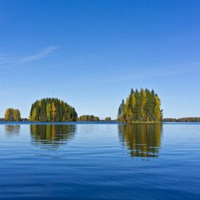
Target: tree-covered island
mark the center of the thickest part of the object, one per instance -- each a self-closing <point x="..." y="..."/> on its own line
<point x="12" y="115"/>
<point x="88" y="118"/>
<point x="140" y="106"/>
<point x="52" y="110"/>
<point x="108" y="119"/>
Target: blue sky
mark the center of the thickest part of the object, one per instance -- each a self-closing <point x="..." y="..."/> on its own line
<point x="91" y="53"/>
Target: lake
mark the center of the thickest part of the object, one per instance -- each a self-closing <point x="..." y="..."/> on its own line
<point x="100" y="161"/>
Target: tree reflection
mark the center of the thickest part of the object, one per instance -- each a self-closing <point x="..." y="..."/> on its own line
<point x="12" y="129"/>
<point x="142" y="140"/>
<point x="51" y="135"/>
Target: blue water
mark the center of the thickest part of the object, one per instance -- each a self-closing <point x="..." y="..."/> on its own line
<point x="100" y="161"/>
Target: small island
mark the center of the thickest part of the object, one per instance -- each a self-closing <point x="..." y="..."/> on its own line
<point x="12" y="115"/>
<point x="108" y="119"/>
<point x="141" y="106"/>
<point x="52" y="110"/>
<point x="88" y="118"/>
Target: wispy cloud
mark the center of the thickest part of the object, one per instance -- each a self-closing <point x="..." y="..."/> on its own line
<point x="11" y="61"/>
<point x="42" y="54"/>
<point x="153" y="73"/>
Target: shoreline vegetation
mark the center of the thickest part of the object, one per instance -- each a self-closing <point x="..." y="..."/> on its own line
<point x="91" y="118"/>
<point x="141" y="107"/>
<point x="165" y="120"/>
<point x="183" y="119"/>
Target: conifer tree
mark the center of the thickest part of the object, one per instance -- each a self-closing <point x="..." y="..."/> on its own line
<point x="52" y="110"/>
<point x="141" y="106"/>
<point x="121" y="111"/>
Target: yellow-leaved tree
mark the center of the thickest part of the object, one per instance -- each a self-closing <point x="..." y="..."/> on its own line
<point x="12" y="114"/>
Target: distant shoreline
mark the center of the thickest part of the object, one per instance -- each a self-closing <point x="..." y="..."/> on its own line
<point x="60" y="123"/>
<point x="168" y="120"/>
<point x="183" y="119"/>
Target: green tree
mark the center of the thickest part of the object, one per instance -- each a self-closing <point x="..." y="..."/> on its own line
<point x="48" y="111"/>
<point x="108" y="119"/>
<point x="121" y="111"/>
<point x="52" y="110"/>
<point x="88" y="118"/>
<point x="140" y="106"/>
<point x="12" y="114"/>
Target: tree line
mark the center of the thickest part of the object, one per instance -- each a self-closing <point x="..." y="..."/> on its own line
<point x="92" y="118"/>
<point x="88" y="118"/>
<point x="49" y="110"/>
<point x="52" y="110"/>
<point x="140" y="106"/>
<point x="183" y="119"/>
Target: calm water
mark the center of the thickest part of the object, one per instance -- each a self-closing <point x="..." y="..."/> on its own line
<point x="100" y="161"/>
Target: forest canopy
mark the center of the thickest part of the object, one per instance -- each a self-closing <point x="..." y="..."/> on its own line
<point x="88" y="118"/>
<point x="108" y="119"/>
<point x="140" y="106"/>
<point x="52" y="110"/>
<point x="12" y="115"/>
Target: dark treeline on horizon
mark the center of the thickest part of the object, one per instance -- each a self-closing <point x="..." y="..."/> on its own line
<point x="140" y="106"/>
<point x="183" y="119"/>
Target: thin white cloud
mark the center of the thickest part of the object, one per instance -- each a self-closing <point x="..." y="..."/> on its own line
<point x="11" y="61"/>
<point x="42" y="54"/>
<point x="4" y="59"/>
<point x="178" y="70"/>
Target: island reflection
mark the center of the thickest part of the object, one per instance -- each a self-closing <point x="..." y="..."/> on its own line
<point x="12" y="129"/>
<point x="51" y="135"/>
<point x="142" y="140"/>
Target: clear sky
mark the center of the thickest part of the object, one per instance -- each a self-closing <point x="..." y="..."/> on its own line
<point x="91" y="53"/>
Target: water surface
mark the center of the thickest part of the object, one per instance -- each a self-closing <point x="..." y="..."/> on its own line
<point x="100" y="161"/>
